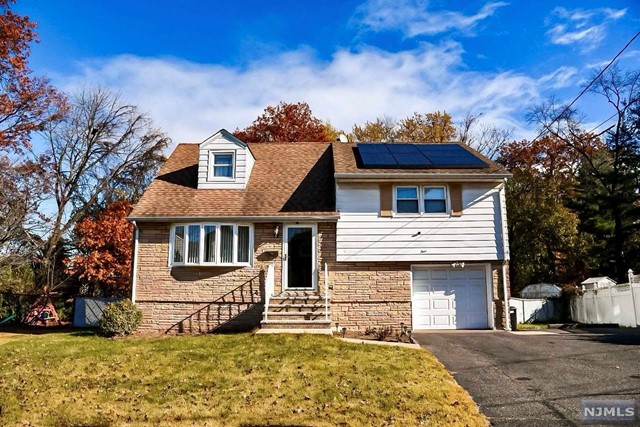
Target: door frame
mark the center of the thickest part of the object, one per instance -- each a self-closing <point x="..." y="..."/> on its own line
<point x="314" y="256"/>
<point x="488" y="284"/>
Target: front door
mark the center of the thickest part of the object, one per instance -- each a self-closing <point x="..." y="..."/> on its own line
<point x="298" y="257"/>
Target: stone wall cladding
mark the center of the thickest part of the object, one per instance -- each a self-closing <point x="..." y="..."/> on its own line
<point x="201" y="299"/>
<point x="373" y="294"/>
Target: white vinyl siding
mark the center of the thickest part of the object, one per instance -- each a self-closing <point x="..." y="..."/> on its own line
<point x="475" y="236"/>
<point x="224" y="143"/>
<point x="357" y="198"/>
<point x="210" y="244"/>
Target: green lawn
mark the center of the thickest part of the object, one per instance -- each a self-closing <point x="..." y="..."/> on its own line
<point x="64" y="379"/>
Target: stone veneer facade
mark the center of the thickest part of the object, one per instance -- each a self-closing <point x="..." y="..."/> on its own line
<point x="204" y="299"/>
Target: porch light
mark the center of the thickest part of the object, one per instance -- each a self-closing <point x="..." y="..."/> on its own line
<point x="276" y="229"/>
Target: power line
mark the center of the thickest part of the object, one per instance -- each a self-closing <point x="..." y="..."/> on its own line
<point x="603" y="122"/>
<point x="587" y="88"/>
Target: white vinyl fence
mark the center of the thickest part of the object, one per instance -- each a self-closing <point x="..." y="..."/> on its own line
<point x="87" y="311"/>
<point x="534" y="310"/>
<point x="618" y="304"/>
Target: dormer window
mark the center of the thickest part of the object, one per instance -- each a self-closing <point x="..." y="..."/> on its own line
<point x="225" y="163"/>
<point x="222" y="165"/>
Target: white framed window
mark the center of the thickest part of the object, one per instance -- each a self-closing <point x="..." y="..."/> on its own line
<point x="421" y="200"/>
<point x="434" y="199"/>
<point x="211" y="244"/>
<point x="407" y="200"/>
<point x="221" y="165"/>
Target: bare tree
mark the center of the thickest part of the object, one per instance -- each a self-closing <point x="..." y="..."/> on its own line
<point x="102" y="144"/>
<point x="485" y="138"/>
<point x="21" y="192"/>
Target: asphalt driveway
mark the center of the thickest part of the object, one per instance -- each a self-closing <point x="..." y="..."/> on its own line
<point x="540" y="379"/>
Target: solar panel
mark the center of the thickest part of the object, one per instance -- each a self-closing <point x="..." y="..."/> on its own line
<point x="450" y="156"/>
<point x="376" y="155"/>
<point x="412" y="161"/>
<point x="379" y="160"/>
<point x="402" y="148"/>
<point x="417" y="156"/>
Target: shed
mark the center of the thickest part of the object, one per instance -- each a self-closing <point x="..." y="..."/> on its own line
<point x="541" y="290"/>
<point x="597" y="283"/>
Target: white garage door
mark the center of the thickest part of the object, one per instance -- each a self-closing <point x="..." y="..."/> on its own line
<point x="450" y="298"/>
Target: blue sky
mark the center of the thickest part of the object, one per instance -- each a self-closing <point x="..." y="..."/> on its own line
<point x="197" y="66"/>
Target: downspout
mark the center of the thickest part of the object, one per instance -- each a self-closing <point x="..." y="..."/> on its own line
<point x="134" y="267"/>
<point x="507" y="318"/>
<point x="505" y="255"/>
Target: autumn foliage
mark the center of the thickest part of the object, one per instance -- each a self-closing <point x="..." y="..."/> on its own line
<point x="26" y="102"/>
<point x="286" y="123"/>
<point x="104" y="242"/>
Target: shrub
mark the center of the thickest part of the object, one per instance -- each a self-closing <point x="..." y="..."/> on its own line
<point x="383" y="332"/>
<point x="120" y="318"/>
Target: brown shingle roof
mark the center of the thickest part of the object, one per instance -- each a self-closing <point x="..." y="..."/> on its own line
<point x="345" y="162"/>
<point x="286" y="180"/>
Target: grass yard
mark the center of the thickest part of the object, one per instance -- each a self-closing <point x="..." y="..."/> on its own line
<point x="67" y="379"/>
<point x="529" y="326"/>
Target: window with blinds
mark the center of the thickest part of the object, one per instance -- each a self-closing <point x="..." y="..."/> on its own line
<point x="211" y="244"/>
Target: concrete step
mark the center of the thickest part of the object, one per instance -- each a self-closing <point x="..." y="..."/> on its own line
<point x="295" y="324"/>
<point x="295" y="331"/>
<point x="297" y="315"/>
<point x="289" y="299"/>
<point x="273" y="308"/>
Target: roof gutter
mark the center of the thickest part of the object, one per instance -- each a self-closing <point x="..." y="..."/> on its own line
<point x="449" y="177"/>
<point x="330" y="218"/>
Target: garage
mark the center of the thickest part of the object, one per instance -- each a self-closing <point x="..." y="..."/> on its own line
<point x="450" y="298"/>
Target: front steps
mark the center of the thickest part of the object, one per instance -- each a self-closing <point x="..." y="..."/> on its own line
<point x="296" y="312"/>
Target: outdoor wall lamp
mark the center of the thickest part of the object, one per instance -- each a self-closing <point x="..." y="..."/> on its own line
<point x="276" y="229"/>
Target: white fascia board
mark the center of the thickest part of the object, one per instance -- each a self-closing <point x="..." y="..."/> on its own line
<point x="318" y="218"/>
<point x="422" y="177"/>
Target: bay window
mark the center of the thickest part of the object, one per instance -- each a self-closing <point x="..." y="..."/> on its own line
<point x="211" y="244"/>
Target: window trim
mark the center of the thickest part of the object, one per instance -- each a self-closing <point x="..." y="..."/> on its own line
<point x="424" y="199"/>
<point x="218" y="256"/>
<point x="421" y="211"/>
<point x="417" y="198"/>
<point x="211" y="165"/>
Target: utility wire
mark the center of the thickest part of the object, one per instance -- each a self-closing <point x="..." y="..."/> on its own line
<point x="587" y="88"/>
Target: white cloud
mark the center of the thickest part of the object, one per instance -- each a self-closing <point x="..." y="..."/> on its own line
<point x="585" y="28"/>
<point x="413" y="18"/>
<point x="560" y="78"/>
<point x="191" y="101"/>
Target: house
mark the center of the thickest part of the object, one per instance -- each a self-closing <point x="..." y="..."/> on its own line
<point x="597" y="283"/>
<point x="316" y="236"/>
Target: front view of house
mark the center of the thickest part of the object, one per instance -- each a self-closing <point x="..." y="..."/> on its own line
<point x="314" y="236"/>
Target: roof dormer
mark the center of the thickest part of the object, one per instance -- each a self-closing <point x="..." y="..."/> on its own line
<point x="225" y="162"/>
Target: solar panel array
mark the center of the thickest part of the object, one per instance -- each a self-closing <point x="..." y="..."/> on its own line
<point x="417" y="156"/>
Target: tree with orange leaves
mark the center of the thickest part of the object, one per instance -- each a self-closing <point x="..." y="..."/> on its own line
<point x="26" y="102"/>
<point x="286" y="123"/>
<point x="104" y="243"/>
